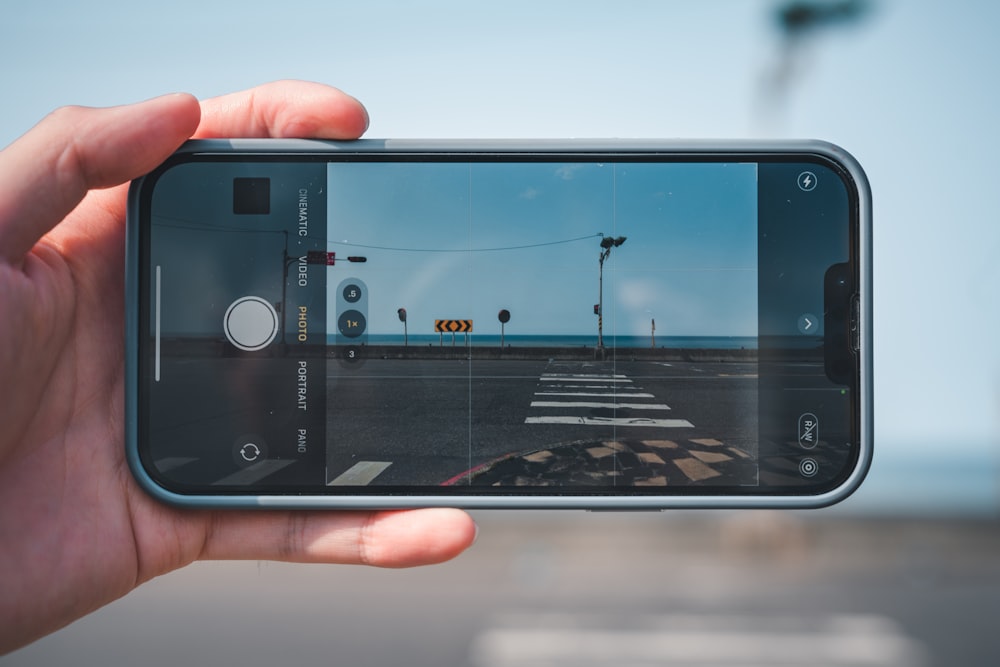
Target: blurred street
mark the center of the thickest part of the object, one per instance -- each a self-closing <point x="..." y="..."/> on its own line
<point x="573" y="588"/>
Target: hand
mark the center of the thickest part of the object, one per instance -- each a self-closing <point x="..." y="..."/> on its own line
<point x="75" y="530"/>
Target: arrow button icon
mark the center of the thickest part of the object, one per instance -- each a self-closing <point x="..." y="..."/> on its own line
<point x="808" y="324"/>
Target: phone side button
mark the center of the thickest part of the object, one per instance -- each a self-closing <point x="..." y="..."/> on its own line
<point x="855" y="323"/>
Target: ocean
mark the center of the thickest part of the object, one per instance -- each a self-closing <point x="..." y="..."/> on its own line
<point x="590" y="340"/>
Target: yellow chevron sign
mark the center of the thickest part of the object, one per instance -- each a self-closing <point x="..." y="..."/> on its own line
<point x="452" y="326"/>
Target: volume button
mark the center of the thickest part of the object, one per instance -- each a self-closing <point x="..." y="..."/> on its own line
<point x="855" y="323"/>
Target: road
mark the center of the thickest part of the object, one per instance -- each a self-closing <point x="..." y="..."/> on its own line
<point x="428" y="421"/>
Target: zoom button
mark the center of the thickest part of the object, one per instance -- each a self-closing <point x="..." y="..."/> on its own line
<point x="352" y="323"/>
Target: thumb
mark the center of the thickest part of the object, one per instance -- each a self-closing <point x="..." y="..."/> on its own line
<point x="45" y="173"/>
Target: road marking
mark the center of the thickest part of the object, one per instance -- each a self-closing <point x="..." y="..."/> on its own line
<point x="254" y="473"/>
<point x="606" y="387"/>
<point x="171" y="462"/>
<point x="584" y="393"/>
<point x="589" y="378"/>
<point x="594" y="404"/>
<point x="583" y="375"/>
<point x="610" y="421"/>
<point x="360" y="474"/>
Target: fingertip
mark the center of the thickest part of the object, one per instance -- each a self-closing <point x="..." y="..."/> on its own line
<point x="408" y="538"/>
<point x="321" y="112"/>
<point x="185" y="108"/>
<point x="178" y="114"/>
<point x="172" y="119"/>
<point x="365" y="117"/>
<point x="285" y="109"/>
<point x="307" y="109"/>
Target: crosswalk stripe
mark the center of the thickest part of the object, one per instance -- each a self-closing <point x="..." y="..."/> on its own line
<point x="606" y="387"/>
<point x="169" y="463"/>
<point x="583" y="375"/>
<point x="585" y="393"/>
<point x="254" y="473"/>
<point x="592" y="378"/>
<point x="595" y="404"/>
<point x="360" y="474"/>
<point x="610" y="421"/>
<point x="614" y="386"/>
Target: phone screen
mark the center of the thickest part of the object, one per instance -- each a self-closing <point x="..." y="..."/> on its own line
<point x="458" y="324"/>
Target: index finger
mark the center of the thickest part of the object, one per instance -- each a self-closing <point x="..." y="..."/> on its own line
<point x="284" y="109"/>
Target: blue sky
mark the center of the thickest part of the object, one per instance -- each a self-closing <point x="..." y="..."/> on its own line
<point x="910" y="92"/>
<point x="445" y="241"/>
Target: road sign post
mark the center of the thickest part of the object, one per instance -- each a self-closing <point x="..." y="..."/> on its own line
<point x="402" y="318"/>
<point x="504" y="317"/>
<point x="452" y="327"/>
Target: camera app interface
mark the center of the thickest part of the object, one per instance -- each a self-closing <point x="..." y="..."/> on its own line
<point x="466" y="327"/>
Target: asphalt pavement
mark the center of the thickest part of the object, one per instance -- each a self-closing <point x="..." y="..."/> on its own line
<point x="432" y="422"/>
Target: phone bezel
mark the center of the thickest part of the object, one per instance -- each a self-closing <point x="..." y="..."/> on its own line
<point x="799" y="150"/>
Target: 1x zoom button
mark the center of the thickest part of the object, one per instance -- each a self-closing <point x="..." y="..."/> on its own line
<point x="352" y="323"/>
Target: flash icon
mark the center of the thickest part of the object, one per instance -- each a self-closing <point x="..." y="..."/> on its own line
<point x="807" y="181"/>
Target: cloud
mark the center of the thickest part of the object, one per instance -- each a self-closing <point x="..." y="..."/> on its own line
<point x="530" y="194"/>
<point x="567" y="172"/>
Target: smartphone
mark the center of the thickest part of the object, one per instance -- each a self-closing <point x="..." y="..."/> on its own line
<point x="532" y="324"/>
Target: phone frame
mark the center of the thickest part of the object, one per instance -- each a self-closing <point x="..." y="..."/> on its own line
<point x="678" y="150"/>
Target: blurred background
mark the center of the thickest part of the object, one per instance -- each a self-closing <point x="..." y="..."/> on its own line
<point x="905" y="572"/>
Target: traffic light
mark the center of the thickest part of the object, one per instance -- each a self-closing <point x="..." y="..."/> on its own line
<point x="329" y="258"/>
<point x="320" y="257"/>
<point x="597" y="309"/>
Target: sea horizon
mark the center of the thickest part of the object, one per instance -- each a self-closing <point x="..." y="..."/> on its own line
<point x="528" y="340"/>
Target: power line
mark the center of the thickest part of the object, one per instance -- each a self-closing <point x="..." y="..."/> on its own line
<point x="500" y="248"/>
<point x="180" y="223"/>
